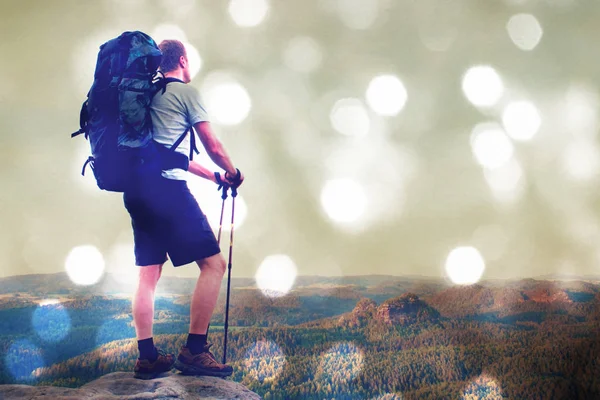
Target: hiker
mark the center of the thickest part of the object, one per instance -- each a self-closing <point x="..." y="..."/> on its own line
<point x="167" y="220"/>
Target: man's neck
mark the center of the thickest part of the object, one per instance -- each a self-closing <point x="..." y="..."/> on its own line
<point x="177" y="74"/>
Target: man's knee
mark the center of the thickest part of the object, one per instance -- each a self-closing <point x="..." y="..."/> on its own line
<point x="214" y="263"/>
<point x="150" y="274"/>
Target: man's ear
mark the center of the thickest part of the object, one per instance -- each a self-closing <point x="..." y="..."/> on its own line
<point x="182" y="61"/>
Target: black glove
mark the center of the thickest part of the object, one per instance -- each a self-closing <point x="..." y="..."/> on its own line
<point x="220" y="181"/>
<point x="235" y="180"/>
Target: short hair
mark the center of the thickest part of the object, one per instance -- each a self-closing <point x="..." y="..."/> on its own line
<point x="171" y="51"/>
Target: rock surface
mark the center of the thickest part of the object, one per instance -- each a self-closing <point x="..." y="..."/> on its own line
<point x="405" y="309"/>
<point x="122" y="385"/>
<point x="364" y="312"/>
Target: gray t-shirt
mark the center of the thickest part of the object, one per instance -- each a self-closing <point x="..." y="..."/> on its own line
<point x="173" y="112"/>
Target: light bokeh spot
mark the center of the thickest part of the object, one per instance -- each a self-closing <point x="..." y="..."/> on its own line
<point x="193" y="58"/>
<point x="343" y="200"/>
<point x="303" y="54"/>
<point x="482" y="86"/>
<point x="276" y="275"/>
<point x="580" y="110"/>
<point x="483" y="387"/>
<point x="340" y="364"/>
<point x="375" y="176"/>
<point x="226" y="99"/>
<point x="84" y="265"/>
<point x="522" y="120"/>
<point x="386" y="95"/>
<point x="22" y="359"/>
<point x="525" y="31"/>
<point x="491" y="146"/>
<point x="358" y="14"/>
<point x="581" y="160"/>
<point x="264" y="361"/>
<point x="248" y="13"/>
<point x="51" y="322"/>
<point x="465" y="265"/>
<point x="388" y="396"/>
<point x="507" y="182"/>
<point x="349" y="117"/>
<point x="168" y="32"/>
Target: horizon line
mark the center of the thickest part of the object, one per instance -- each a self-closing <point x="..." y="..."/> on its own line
<point x="428" y="277"/>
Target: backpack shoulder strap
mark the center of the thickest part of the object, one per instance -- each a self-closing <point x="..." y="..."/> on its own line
<point x="162" y="85"/>
<point x="163" y="82"/>
<point x="169" y="80"/>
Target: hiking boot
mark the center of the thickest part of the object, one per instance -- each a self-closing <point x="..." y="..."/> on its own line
<point x="145" y="369"/>
<point x="201" y="364"/>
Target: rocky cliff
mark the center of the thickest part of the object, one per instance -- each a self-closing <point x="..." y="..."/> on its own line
<point x="122" y="385"/>
<point x="405" y="309"/>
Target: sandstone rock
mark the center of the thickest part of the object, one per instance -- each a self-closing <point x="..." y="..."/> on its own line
<point x="361" y="314"/>
<point x="405" y="309"/>
<point x="122" y="385"/>
<point x="364" y="307"/>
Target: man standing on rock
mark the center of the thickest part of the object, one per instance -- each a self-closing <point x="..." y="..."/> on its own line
<point x="166" y="219"/>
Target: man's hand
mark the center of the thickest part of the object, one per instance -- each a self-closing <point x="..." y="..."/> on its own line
<point x="234" y="180"/>
<point x="220" y="180"/>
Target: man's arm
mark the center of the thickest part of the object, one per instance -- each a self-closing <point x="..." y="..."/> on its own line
<point x="201" y="171"/>
<point x="214" y="147"/>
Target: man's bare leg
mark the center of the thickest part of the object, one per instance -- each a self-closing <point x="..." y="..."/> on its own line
<point x="206" y="292"/>
<point x="143" y="300"/>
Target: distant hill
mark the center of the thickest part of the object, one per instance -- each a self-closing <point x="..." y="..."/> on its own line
<point x="524" y="300"/>
<point x="405" y="309"/>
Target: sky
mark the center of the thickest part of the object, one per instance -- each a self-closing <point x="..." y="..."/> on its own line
<point x="456" y="140"/>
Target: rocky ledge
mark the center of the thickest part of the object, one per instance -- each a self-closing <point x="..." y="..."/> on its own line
<point x="122" y="385"/>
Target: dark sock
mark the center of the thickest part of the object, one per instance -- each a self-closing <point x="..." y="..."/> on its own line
<point x="147" y="350"/>
<point x="196" y="343"/>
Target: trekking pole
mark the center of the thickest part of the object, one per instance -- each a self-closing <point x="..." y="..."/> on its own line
<point x="223" y="196"/>
<point x="233" y="196"/>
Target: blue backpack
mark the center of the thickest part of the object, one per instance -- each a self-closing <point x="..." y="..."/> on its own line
<point x="115" y="118"/>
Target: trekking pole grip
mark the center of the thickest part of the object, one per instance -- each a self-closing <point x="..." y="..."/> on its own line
<point x="222" y="185"/>
<point x="224" y="194"/>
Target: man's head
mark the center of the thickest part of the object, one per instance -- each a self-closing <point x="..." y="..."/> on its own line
<point x="174" y="58"/>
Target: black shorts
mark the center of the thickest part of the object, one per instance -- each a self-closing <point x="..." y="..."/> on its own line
<point x="167" y="219"/>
